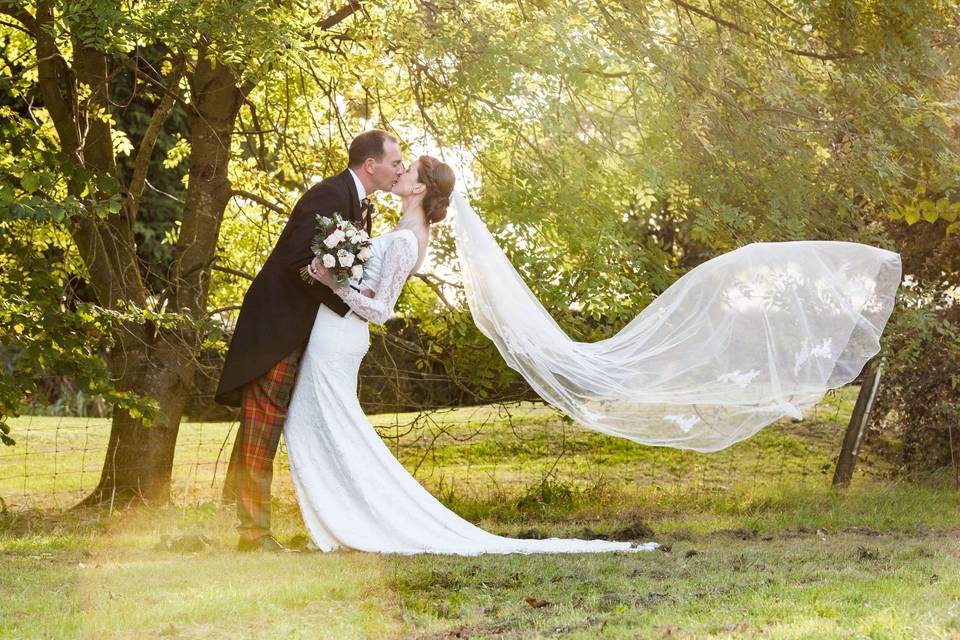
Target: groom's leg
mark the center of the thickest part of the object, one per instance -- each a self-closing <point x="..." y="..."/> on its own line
<point x="264" y="409"/>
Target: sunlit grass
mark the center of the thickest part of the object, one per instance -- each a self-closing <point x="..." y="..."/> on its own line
<point x="471" y="450"/>
<point x="760" y="544"/>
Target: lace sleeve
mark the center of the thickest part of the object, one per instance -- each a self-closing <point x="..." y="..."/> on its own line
<point x="399" y="258"/>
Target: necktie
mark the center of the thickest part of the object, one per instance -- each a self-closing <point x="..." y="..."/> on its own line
<point x="366" y="211"/>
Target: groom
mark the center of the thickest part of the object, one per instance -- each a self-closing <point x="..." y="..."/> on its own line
<point x="274" y="325"/>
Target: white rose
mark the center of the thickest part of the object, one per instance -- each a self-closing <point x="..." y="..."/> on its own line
<point x="365" y="254"/>
<point x="330" y="241"/>
<point x="329" y="261"/>
<point x="346" y="259"/>
<point x="356" y="271"/>
<point x="363" y="236"/>
<point x="334" y="239"/>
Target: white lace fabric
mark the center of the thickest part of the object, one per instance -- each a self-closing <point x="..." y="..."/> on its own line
<point x="399" y="257"/>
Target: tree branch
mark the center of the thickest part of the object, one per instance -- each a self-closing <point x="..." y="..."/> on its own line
<point x="710" y="16"/>
<point x="13" y="9"/>
<point x="261" y="201"/>
<point x="162" y="87"/>
<point x="56" y="81"/>
<point x="148" y="142"/>
<point x="116" y="230"/>
<point x="258" y="131"/>
<point x="233" y="272"/>
<point x="232" y="307"/>
<point x="164" y="193"/>
<point x="340" y="15"/>
<point x="783" y="13"/>
<point x="17" y="26"/>
<point x="840" y="55"/>
<point x="729" y="101"/>
<point x="436" y="289"/>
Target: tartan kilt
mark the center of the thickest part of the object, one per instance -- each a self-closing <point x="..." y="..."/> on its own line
<point x="262" y="414"/>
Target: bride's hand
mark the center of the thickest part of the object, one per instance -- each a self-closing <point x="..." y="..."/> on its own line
<point x="368" y="293"/>
<point x="318" y="272"/>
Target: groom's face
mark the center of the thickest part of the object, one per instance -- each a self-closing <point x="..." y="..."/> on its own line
<point x="389" y="169"/>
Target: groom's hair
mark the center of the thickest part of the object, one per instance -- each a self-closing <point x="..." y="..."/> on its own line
<point x="369" y="144"/>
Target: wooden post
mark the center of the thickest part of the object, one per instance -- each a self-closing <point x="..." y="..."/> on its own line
<point x="858" y="425"/>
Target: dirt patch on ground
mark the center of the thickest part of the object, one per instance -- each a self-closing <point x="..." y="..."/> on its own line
<point x="635" y="531"/>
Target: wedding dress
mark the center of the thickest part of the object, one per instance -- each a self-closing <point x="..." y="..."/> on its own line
<point x="352" y="491"/>
<point x="732" y="346"/>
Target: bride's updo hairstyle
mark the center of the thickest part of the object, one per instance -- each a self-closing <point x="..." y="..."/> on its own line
<point x="439" y="180"/>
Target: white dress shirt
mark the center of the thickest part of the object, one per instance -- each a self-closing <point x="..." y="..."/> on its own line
<point x="360" y="190"/>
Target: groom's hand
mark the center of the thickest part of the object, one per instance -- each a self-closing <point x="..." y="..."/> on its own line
<point x="318" y="272"/>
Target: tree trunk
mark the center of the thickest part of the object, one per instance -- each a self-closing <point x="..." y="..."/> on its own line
<point x="161" y="362"/>
<point x="857" y="428"/>
<point x="139" y="459"/>
<point x="153" y="361"/>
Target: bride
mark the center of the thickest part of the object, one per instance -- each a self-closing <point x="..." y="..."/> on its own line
<point x="352" y="492"/>
<point x="737" y="343"/>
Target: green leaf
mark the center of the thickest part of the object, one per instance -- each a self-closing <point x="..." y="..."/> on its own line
<point x="950" y="213"/>
<point x="911" y="215"/>
<point x="30" y="182"/>
<point x="108" y="184"/>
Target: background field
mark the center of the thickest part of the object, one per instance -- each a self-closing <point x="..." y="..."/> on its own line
<point x="757" y="543"/>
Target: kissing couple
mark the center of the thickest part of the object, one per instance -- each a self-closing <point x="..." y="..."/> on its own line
<point x="293" y="362"/>
<point x="738" y="342"/>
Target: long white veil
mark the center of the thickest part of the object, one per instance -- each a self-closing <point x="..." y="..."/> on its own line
<point x="740" y="341"/>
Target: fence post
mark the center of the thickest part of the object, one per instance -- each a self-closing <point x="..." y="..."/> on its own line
<point x="857" y="427"/>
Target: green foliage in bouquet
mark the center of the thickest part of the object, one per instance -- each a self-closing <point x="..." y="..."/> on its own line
<point x="341" y="247"/>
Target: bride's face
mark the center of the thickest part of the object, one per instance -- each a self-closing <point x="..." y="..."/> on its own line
<point x="408" y="186"/>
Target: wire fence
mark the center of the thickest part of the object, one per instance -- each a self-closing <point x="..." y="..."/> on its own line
<point x="57" y="460"/>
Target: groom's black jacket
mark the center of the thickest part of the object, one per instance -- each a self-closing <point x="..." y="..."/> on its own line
<point x="279" y="308"/>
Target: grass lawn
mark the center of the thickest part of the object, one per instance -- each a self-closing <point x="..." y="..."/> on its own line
<point x="756" y="542"/>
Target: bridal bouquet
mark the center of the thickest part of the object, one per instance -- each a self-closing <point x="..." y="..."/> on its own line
<point x="341" y="247"/>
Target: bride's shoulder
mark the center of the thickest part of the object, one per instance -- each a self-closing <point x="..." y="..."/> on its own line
<point x="406" y="246"/>
<point x="402" y="235"/>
